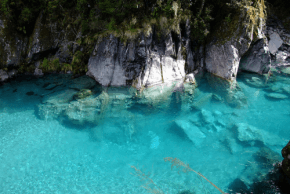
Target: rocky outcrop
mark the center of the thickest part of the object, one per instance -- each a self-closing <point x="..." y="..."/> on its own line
<point x="145" y="62"/>
<point x="12" y="46"/>
<point x="286" y="161"/>
<point x="223" y="54"/>
<point x="279" y="42"/>
<point x="50" y="38"/>
<point x="233" y="39"/>
<point x="257" y="59"/>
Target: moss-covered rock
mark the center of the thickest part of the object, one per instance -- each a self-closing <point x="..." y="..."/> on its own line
<point x="83" y="94"/>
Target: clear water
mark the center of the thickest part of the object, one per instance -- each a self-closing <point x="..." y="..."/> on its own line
<point x="54" y="156"/>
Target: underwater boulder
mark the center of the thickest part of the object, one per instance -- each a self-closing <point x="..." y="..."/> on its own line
<point x="192" y="131"/>
<point x="250" y="134"/>
<point x="276" y="96"/>
<point x="255" y="82"/>
<point x="83" y="93"/>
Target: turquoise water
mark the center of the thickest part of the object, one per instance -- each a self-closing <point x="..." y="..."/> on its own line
<point x="229" y="142"/>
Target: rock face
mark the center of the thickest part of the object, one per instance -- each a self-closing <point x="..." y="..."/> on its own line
<point x="230" y="43"/>
<point x="286" y="161"/>
<point x="49" y="38"/>
<point x="257" y="59"/>
<point x="145" y="62"/>
<point x="11" y="46"/>
<point x="279" y="42"/>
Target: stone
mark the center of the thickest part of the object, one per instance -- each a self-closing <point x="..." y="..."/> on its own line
<point x="255" y="82"/>
<point x="281" y="58"/>
<point x="257" y="59"/>
<point x="158" y="94"/>
<point x="38" y="72"/>
<point x="250" y="134"/>
<point x="3" y="75"/>
<point x="275" y="42"/>
<point x="83" y="93"/>
<point x="192" y="131"/>
<point x="276" y="96"/>
<point x="286" y="161"/>
<point x="189" y="78"/>
<point x="207" y="116"/>
<point x="228" y="45"/>
<point x="140" y="65"/>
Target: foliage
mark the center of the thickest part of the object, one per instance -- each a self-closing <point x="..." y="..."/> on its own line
<point x="45" y="65"/>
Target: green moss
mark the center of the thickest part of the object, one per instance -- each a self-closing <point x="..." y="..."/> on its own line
<point x="250" y="14"/>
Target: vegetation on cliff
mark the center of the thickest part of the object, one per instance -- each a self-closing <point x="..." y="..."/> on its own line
<point x="88" y="21"/>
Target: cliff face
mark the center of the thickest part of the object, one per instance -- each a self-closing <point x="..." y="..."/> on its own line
<point x="248" y="41"/>
<point x="143" y="62"/>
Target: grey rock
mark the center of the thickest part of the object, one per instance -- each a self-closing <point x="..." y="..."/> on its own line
<point x="38" y="72"/>
<point x="145" y="64"/>
<point x="275" y="42"/>
<point x="189" y="78"/>
<point x="3" y="75"/>
<point x="223" y="54"/>
<point x="257" y="59"/>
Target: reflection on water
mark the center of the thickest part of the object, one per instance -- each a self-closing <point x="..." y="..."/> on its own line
<point x="58" y="138"/>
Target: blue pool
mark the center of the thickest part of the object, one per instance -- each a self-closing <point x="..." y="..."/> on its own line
<point x="116" y="141"/>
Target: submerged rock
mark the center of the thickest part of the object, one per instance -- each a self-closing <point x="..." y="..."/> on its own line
<point x="256" y="82"/>
<point x="83" y="94"/>
<point x="276" y="96"/>
<point x="252" y="135"/>
<point x="192" y="131"/>
<point x="201" y="101"/>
